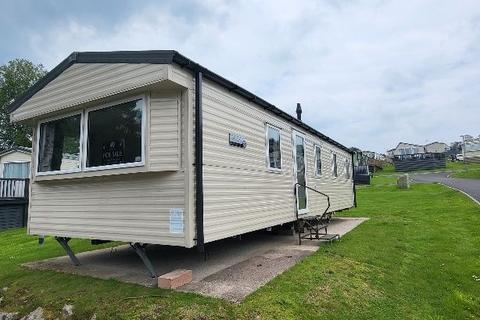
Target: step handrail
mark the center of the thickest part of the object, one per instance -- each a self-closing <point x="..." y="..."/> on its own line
<point x="314" y="190"/>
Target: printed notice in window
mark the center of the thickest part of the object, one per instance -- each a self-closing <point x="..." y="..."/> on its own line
<point x="176" y="220"/>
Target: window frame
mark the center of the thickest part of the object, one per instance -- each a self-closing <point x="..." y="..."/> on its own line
<point x="83" y="112"/>
<point x="267" y="145"/>
<point x="334" y="165"/>
<point x="37" y="144"/>
<point x="315" y="147"/>
<point x="143" y="129"/>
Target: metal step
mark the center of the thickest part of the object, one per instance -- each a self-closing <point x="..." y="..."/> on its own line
<point x="329" y="237"/>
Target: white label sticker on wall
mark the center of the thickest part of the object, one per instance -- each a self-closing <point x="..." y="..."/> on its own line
<point x="176" y="220"/>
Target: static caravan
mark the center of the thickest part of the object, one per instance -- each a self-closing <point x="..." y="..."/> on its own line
<point x="361" y="171"/>
<point x="149" y="147"/>
<point x="471" y="150"/>
<point x="14" y="173"/>
<point x="408" y="157"/>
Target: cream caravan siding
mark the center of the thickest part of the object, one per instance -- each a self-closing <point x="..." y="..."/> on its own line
<point x="127" y="207"/>
<point x="85" y="82"/>
<point x="165" y="131"/>
<point x="340" y="188"/>
<point x="240" y="193"/>
<point x="472" y="156"/>
<point x="185" y="79"/>
<point x="15" y="156"/>
<point x="111" y="208"/>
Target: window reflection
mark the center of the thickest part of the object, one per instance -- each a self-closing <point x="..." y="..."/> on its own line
<point x="59" y="145"/>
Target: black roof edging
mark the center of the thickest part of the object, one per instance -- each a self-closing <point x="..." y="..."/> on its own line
<point x="161" y="57"/>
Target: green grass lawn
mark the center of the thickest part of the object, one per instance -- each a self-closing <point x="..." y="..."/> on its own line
<point x="461" y="170"/>
<point x="457" y="170"/>
<point x="418" y="257"/>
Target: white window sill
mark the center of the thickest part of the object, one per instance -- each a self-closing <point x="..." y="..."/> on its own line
<point x="89" y="173"/>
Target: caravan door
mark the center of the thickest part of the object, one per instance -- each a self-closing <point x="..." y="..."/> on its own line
<point x="300" y="168"/>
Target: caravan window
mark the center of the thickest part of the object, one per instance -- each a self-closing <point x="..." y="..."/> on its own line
<point x="318" y="160"/>
<point x="16" y="170"/>
<point x="114" y="135"/>
<point x="274" y="154"/>
<point x="347" y="169"/>
<point x="334" y="165"/>
<point x="104" y="137"/>
<point x="59" y="145"/>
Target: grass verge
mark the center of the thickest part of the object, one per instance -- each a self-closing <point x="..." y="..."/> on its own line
<point x="457" y="170"/>
<point x="469" y="171"/>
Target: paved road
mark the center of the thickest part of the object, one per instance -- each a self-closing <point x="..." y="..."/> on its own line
<point x="469" y="186"/>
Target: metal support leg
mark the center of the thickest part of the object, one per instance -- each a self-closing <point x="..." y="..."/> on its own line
<point x="64" y="243"/>
<point x="140" y="250"/>
<point x="299" y="230"/>
<point x="205" y="254"/>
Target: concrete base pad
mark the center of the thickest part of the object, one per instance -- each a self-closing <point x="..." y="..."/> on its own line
<point x="234" y="268"/>
<point x="236" y="282"/>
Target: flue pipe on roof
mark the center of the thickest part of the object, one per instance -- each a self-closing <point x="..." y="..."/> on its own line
<point x="299" y="111"/>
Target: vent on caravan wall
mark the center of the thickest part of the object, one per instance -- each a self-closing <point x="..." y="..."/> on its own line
<point x="299" y="112"/>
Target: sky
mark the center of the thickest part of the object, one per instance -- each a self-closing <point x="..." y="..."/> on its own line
<point x="368" y="74"/>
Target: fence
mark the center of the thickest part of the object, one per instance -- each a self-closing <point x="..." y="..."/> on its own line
<point x="13" y="188"/>
<point x="424" y="161"/>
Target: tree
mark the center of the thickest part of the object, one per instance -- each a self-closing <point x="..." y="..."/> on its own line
<point x="16" y="77"/>
<point x="455" y="147"/>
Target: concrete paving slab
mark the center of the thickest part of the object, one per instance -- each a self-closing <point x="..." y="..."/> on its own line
<point x="236" y="282"/>
<point x="234" y="267"/>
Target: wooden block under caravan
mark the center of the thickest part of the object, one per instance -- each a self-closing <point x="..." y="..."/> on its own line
<point x="175" y="279"/>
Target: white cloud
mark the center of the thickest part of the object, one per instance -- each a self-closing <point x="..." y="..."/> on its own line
<point x="367" y="73"/>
